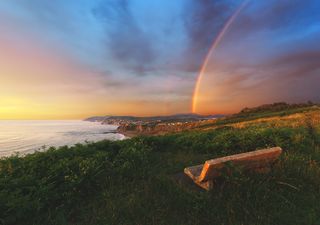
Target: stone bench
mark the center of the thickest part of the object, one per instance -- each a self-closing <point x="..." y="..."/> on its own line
<point x="257" y="161"/>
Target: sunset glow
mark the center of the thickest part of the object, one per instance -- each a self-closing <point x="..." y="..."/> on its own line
<point x="217" y="57"/>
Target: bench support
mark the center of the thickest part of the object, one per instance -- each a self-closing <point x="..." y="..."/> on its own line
<point x="258" y="161"/>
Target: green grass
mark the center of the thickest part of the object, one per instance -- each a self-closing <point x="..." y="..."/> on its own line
<point x="243" y="117"/>
<point x="130" y="182"/>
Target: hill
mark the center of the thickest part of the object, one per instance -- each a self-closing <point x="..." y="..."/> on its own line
<point x="152" y="119"/>
<point x="274" y="111"/>
<point x="131" y="181"/>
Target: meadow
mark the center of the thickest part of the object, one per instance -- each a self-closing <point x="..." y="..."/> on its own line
<point x="132" y="181"/>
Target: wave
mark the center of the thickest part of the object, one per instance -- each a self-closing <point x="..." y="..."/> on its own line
<point x="25" y="137"/>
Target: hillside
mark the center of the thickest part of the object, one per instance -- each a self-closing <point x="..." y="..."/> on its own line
<point x="133" y="126"/>
<point x="133" y="181"/>
<point x="271" y="112"/>
<point x="151" y="119"/>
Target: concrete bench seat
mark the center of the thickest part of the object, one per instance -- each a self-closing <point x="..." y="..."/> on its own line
<point x="257" y="161"/>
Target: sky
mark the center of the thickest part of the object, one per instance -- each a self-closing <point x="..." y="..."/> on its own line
<point x="77" y="58"/>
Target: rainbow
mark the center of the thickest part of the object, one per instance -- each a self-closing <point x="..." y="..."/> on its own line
<point x="214" y="45"/>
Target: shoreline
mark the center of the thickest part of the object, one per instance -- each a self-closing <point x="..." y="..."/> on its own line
<point x="27" y="137"/>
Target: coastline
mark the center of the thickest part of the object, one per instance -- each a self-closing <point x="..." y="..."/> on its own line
<point x="128" y="134"/>
<point x="25" y="137"/>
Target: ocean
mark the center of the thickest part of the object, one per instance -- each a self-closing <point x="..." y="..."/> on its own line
<point x="27" y="136"/>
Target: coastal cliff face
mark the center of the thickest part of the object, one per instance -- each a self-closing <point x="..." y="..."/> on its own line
<point x="132" y="126"/>
<point x="131" y="129"/>
<point x="279" y="113"/>
<point x="150" y="129"/>
<point x="158" y="125"/>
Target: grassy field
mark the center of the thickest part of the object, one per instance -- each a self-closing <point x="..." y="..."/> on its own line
<point x="130" y="182"/>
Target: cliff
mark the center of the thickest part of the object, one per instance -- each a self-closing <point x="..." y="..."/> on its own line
<point x="130" y="129"/>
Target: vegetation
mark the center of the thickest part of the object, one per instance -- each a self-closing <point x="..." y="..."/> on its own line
<point x="280" y="109"/>
<point x="275" y="107"/>
<point x="131" y="181"/>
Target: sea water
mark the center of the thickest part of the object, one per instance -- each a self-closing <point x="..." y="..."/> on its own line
<point x="25" y="137"/>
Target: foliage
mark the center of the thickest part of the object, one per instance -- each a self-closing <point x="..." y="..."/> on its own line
<point x="130" y="181"/>
<point x="276" y="107"/>
<point x="266" y="111"/>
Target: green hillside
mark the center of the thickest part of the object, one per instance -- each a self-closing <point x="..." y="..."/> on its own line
<point x="132" y="181"/>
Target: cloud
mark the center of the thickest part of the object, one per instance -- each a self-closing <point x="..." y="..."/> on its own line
<point x="128" y="43"/>
<point x="203" y="20"/>
<point x="144" y="51"/>
<point x="143" y="48"/>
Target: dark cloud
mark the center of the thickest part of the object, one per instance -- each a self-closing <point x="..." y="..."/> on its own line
<point x="293" y="77"/>
<point x="300" y="64"/>
<point x="298" y="58"/>
<point x="282" y="16"/>
<point x="270" y="52"/>
<point x="136" y="50"/>
<point x="128" y="43"/>
<point x="203" y="21"/>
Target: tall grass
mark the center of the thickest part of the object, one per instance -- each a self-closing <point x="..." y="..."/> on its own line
<point x="130" y="182"/>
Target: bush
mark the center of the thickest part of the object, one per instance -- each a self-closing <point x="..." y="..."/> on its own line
<point x="130" y="181"/>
